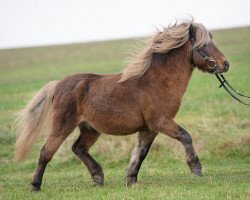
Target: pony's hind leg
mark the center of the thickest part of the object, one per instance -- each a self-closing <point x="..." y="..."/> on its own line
<point x="87" y="138"/>
<point x="145" y="139"/>
<point x="61" y="128"/>
<point x="52" y="144"/>
<point x="170" y="128"/>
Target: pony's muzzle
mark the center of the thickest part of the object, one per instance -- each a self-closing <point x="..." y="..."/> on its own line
<point x="222" y="67"/>
<point x="226" y="66"/>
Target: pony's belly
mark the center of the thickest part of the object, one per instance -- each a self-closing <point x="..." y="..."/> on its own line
<point x="115" y="126"/>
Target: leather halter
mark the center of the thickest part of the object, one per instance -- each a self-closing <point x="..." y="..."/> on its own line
<point x="211" y="64"/>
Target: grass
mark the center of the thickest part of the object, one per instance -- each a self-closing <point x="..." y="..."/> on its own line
<point x="219" y="125"/>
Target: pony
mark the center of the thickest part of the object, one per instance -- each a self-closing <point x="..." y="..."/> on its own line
<point x="143" y="99"/>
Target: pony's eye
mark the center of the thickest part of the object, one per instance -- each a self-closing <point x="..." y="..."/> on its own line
<point x="205" y="45"/>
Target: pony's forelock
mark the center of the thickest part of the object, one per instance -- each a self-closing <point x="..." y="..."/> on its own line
<point x="202" y="35"/>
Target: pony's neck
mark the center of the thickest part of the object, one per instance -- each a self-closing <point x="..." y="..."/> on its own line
<point x="174" y="69"/>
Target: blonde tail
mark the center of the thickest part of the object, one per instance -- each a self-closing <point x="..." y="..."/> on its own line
<point x="32" y="118"/>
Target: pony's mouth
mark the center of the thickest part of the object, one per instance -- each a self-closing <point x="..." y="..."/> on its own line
<point x="218" y="70"/>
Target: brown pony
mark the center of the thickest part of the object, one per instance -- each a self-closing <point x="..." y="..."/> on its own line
<point x="144" y="98"/>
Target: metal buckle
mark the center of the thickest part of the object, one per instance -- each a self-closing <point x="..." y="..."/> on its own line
<point x="211" y="64"/>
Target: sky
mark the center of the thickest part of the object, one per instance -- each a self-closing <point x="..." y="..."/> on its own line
<point x="26" y="23"/>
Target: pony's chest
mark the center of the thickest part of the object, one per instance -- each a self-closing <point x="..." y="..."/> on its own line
<point x="160" y="104"/>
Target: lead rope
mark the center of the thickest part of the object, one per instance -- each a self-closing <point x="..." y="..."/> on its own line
<point x="223" y="81"/>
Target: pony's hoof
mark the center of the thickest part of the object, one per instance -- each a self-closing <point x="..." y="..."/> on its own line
<point x="35" y="188"/>
<point x="131" y="181"/>
<point x="197" y="171"/>
<point x="98" y="180"/>
<point x="195" y="167"/>
<point x="198" y="174"/>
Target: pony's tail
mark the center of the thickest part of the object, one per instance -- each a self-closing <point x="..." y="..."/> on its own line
<point x="31" y="120"/>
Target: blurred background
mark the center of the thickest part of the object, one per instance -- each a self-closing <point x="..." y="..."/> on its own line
<point x="36" y="22"/>
<point x="45" y="40"/>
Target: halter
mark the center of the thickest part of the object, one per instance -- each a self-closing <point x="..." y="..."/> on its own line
<point x="212" y="65"/>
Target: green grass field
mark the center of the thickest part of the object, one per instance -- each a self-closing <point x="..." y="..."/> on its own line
<point x="220" y="127"/>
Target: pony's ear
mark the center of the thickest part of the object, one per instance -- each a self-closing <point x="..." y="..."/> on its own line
<point x="192" y="31"/>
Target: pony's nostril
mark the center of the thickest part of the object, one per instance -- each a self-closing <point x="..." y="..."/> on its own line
<point x="226" y="65"/>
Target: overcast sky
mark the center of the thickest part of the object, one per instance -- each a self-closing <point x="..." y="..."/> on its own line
<point x="41" y="22"/>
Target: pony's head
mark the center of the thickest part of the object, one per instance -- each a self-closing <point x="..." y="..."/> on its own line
<point x="206" y="56"/>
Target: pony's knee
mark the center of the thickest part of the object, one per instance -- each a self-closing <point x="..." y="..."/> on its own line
<point x="78" y="149"/>
<point x="73" y="147"/>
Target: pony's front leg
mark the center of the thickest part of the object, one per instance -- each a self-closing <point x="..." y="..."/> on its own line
<point x="145" y="139"/>
<point x="169" y="127"/>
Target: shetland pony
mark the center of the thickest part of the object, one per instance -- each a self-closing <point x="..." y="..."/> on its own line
<point x="144" y="98"/>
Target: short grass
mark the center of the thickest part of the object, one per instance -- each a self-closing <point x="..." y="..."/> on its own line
<point x="219" y="125"/>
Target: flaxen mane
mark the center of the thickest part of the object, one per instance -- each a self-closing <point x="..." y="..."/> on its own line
<point x="172" y="37"/>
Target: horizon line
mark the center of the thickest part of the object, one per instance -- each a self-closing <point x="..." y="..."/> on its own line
<point x="53" y="44"/>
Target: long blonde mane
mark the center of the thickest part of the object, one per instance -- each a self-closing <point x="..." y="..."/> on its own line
<point x="172" y="37"/>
